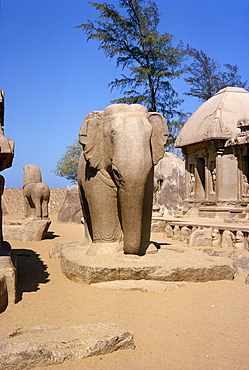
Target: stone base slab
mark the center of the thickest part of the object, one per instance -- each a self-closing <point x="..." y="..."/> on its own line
<point x="170" y="263"/>
<point x="25" y="230"/>
<point x="49" y="344"/>
<point x="8" y="276"/>
<point x="8" y="273"/>
<point x="145" y="286"/>
<point x="3" y="293"/>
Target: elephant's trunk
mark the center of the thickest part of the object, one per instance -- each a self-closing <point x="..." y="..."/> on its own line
<point x="135" y="206"/>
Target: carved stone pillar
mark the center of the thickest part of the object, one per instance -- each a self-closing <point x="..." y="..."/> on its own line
<point x="187" y="177"/>
<point x="220" y="152"/>
<point x="207" y="178"/>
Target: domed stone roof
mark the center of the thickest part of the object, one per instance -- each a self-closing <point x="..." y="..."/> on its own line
<point x="216" y="118"/>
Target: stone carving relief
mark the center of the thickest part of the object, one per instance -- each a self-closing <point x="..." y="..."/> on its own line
<point x="213" y="174"/>
<point x="185" y="233"/>
<point x="176" y="233"/>
<point x="201" y="237"/>
<point x="216" y="238"/>
<point x="239" y="240"/>
<point x="168" y="232"/>
<point x="242" y="136"/>
<point x="192" y="184"/>
<point x="228" y="239"/>
<point x="207" y="236"/>
<point x="245" y="185"/>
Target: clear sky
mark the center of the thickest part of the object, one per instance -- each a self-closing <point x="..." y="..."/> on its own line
<point x="53" y="77"/>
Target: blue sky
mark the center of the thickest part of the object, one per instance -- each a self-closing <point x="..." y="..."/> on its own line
<point x="53" y="77"/>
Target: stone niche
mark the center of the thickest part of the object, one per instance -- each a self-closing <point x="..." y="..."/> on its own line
<point x="215" y="145"/>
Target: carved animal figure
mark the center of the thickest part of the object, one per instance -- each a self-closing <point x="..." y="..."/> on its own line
<point x="228" y="239"/>
<point x="36" y="193"/>
<point x="121" y="145"/>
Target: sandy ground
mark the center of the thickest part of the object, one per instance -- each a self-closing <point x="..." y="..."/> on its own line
<point x="199" y="326"/>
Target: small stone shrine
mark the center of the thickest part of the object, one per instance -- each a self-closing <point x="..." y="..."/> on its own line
<point x="215" y="142"/>
<point x="215" y="145"/>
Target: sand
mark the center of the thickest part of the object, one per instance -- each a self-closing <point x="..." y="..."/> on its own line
<point x="198" y="326"/>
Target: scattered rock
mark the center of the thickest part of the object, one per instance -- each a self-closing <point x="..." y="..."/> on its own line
<point x="49" y="344"/>
<point x="71" y="208"/>
<point x="25" y="230"/>
<point x="55" y="251"/>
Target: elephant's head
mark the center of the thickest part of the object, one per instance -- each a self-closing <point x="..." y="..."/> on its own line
<point x="127" y="141"/>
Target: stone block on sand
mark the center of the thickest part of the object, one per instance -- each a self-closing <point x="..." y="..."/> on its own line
<point x="49" y="344"/>
<point x="169" y="264"/>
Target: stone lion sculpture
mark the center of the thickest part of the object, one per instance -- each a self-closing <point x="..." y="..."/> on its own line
<point x="36" y="193"/>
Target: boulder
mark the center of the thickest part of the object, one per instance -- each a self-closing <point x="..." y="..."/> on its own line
<point x="71" y="210"/>
<point x="25" y="230"/>
<point x="169" y="182"/>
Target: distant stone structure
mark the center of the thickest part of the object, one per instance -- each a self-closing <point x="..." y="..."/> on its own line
<point x="7" y="268"/>
<point x="215" y="144"/>
<point x="169" y="184"/>
<point x="71" y="210"/>
<point x="36" y="197"/>
<point x="36" y="193"/>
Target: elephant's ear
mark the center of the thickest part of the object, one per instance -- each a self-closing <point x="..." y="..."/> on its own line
<point x="159" y="135"/>
<point x="91" y="138"/>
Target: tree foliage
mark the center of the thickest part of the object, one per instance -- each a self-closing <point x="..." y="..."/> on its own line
<point x="206" y="78"/>
<point x="131" y="37"/>
<point x="67" y="166"/>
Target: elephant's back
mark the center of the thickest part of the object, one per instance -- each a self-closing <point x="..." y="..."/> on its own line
<point x="38" y="188"/>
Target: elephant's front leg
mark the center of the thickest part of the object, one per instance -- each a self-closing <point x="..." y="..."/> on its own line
<point x="101" y="198"/>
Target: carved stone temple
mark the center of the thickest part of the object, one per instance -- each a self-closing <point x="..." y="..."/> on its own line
<point x="215" y="145"/>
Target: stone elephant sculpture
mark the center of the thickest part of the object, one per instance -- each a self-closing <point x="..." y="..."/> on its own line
<point x="36" y="193"/>
<point x="121" y="145"/>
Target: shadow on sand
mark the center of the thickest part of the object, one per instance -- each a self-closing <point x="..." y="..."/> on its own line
<point x="31" y="271"/>
<point x="51" y="235"/>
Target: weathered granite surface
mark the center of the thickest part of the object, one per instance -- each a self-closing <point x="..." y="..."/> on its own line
<point x="25" y="230"/>
<point x="169" y="264"/>
<point x="49" y="344"/>
<point x="144" y="286"/>
<point x="169" y="183"/>
<point x="55" y="251"/>
<point x="8" y="276"/>
<point x="71" y="210"/>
